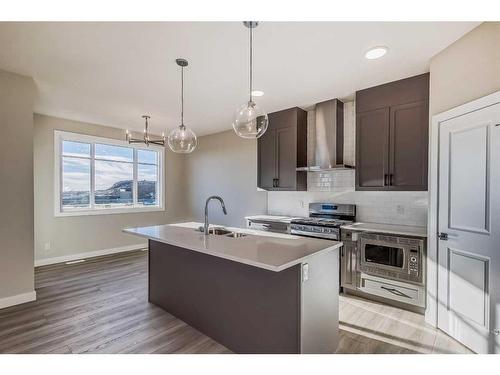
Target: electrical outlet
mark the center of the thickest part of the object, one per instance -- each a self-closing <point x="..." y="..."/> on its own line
<point x="46" y="246"/>
<point x="305" y="272"/>
<point x="400" y="209"/>
<point x="301" y="203"/>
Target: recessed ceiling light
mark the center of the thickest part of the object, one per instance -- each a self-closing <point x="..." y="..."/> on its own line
<point x="257" y="93"/>
<point x="376" y="53"/>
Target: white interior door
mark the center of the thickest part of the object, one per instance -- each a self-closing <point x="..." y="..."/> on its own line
<point x="469" y="214"/>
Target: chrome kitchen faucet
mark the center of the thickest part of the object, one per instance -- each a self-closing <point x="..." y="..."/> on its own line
<point x="205" y="227"/>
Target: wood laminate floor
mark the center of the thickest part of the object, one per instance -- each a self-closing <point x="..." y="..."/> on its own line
<point x="100" y="306"/>
<point x="371" y="327"/>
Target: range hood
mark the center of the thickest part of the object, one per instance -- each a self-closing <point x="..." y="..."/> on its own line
<point x="328" y="136"/>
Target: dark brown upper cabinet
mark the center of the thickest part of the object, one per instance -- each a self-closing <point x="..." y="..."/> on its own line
<point x="281" y="150"/>
<point x="392" y="123"/>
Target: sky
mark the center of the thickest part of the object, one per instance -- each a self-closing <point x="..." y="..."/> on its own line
<point x="117" y="167"/>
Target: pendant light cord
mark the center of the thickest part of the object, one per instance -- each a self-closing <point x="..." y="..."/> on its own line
<point x="182" y="96"/>
<point x="251" y="61"/>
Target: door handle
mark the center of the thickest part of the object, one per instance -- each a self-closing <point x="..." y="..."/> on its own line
<point x="385" y="179"/>
<point x="443" y="236"/>
<point x="390" y="179"/>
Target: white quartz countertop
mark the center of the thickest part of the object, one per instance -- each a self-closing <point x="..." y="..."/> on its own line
<point x="404" y="230"/>
<point x="271" y="251"/>
<point x="272" y="218"/>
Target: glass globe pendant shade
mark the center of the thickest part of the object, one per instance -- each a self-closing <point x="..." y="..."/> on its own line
<point x="250" y="121"/>
<point x="182" y="140"/>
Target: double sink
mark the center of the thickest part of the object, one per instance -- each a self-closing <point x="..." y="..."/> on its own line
<point x="219" y="231"/>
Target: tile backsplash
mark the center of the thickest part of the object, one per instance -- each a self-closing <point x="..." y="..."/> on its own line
<point x="337" y="181"/>
<point x="401" y="207"/>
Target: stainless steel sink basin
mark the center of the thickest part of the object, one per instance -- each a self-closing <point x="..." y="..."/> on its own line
<point x="218" y="231"/>
<point x="223" y="232"/>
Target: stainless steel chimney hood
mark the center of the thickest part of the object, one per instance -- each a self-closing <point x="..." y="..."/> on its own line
<point x="328" y="137"/>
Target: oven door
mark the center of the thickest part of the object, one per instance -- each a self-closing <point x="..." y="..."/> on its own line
<point x="383" y="258"/>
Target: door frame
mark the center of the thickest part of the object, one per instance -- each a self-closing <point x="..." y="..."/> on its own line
<point x="431" y="312"/>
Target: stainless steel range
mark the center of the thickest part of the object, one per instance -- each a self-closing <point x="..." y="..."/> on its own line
<point x="324" y="221"/>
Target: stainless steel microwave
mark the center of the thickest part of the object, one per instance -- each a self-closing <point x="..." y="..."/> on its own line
<point x="394" y="257"/>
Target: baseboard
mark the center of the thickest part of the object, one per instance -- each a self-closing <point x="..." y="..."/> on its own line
<point x="17" y="299"/>
<point x="88" y="254"/>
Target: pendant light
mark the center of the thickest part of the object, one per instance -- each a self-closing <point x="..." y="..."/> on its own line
<point x="250" y="121"/>
<point x="182" y="139"/>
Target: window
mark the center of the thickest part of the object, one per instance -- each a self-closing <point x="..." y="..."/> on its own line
<point x="98" y="175"/>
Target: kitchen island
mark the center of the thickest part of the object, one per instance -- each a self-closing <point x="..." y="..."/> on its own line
<point x="253" y="291"/>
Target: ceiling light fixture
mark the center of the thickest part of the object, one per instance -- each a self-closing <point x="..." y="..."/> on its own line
<point x="145" y="139"/>
<point x="376" y="52"/>
<point x="182" y="139"/>
<point x="249" y="120"/>
<point x="257" y="93"/>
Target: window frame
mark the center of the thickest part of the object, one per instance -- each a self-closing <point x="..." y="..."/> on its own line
<point x="60" y="136"/>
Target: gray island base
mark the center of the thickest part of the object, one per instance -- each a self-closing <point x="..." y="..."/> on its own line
<point x="247" y="306"/>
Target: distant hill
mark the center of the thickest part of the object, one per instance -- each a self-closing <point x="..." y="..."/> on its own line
<point x="119" y="192"/>
<point x="123" y="190"/>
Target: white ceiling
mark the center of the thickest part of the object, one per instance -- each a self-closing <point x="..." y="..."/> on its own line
<point x="112" y="73"/>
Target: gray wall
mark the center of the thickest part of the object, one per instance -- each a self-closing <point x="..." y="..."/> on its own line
<point x="16" y="176"/>
<point x="466" y="70"/>
<point x="78" y="234"/>
<point x="226" y="165"/>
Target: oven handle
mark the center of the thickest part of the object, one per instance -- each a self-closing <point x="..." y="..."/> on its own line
<point x="331" y="236"/>
<point x="396" y="292"/>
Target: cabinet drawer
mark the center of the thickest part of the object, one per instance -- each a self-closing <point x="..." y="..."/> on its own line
<point x="394" y="290"/>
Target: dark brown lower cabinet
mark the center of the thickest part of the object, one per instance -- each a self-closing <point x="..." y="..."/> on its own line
<point x="245" y="308"/>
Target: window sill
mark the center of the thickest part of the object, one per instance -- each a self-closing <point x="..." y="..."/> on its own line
<point x="108" y="211"/>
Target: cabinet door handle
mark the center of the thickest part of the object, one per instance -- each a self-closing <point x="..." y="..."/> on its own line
<point x="277" y="182"/>
<point x="390" y="179"/>
<point x="385" y="179"/>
